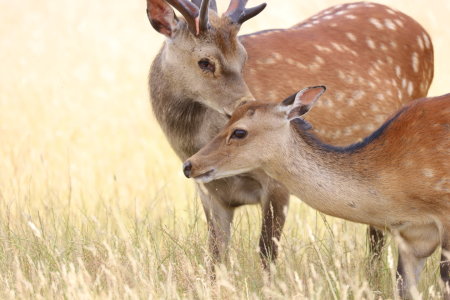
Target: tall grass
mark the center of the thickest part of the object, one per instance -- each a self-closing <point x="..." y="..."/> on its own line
<point x="92" y="200"/>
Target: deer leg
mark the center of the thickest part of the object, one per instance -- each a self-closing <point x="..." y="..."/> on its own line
<point x="415" y="244"/>
<point x="445" y="266"/>
<point x="274" y="216"/>
<point x="219" y="220"/>
<point x="408" y="271"/>
<point x="376" y="242"/>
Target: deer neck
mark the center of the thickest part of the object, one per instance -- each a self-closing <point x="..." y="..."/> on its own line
<point x="187" y="123"/>
<point x="335" y="183"/>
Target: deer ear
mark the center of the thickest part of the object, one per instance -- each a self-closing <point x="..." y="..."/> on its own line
<point x="303" y="101"/>
<point x="161" y="16"/>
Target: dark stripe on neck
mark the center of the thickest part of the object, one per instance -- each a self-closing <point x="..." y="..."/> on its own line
<point x="312" y="140"/>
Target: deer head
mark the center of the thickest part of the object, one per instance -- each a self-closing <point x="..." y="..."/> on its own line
<point x="255" y="134"/>
<point x="202" y="54"/>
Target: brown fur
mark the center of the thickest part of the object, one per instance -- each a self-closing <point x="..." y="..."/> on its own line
<point x="189" y="104"/>
<point x="397" y="178"/>
<point x="345" y="71"/>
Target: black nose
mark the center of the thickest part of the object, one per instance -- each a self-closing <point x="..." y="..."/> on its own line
<point x="187" y="166"/>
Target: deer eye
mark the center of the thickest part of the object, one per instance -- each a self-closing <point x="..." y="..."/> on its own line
<point x="238" y="134"/>
<point x="206" y="65"/>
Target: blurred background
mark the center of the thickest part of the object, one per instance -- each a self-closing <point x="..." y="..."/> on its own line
<point x="78" y="140"/>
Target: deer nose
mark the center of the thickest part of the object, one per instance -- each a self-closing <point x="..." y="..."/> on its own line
<point x="187" y="166"/>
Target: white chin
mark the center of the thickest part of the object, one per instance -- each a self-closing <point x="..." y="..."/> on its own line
<point x="204" y="179"/>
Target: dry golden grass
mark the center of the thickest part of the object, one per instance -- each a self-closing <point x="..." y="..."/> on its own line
<point x="93" y="202"/>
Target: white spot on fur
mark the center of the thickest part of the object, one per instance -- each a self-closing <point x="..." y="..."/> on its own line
<point x="323" y="49"/>
<point x="290" y="61"/>
<point x="398" y="71"/>
<point x="426" y="40"/>
<point x="398" y="22"/>
<point x="383" y="47"/>
<point x="370" y="127"/>
<point x="393" y="44"/>
<point x="376" y="23"/>
<point x="314" y="67"/>
<point x="443" y="185"/>
<point x="269" y="61"/>
<point x="370" y="43"/>
<point x="358" y="95"/>
<point x="415" y="62"/>
<point x="390" y="11"/>
<point x="351" y="36"/>
<point x="389" y="24"/>
<point x="420" y="42"/>
<point x="380" y="96"/>
<point x="300" y="65"/>
<point x="337" y="46"/>
<point x="374" y="107"/>
<point x="428" y="172"/>
<point x="410" y="88"/>
<point x="404" y="83"/>
<point x="380" y="118"/>
<point x="351" y="17"/>
<point x="319" y="60"/>
<point x="390" y="60"/>
<point x="277" y="56"/>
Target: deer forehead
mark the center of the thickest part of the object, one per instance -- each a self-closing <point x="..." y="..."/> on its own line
<point x="257" y="114"/>
<point x="223" y="35"/>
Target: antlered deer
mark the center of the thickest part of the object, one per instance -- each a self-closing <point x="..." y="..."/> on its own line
<point x="396" y="178"/>
<point x="362" y="51"/>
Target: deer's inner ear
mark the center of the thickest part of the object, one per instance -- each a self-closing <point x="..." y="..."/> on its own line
<point x="289" y="100"/>
<point x="161" y="17"/>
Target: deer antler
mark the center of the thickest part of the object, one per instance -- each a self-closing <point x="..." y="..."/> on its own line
<point x="189" y="11"/>
<point x="238" y="14"/>
<point x="212" y="4"/>
<point x="204" y="15"/>
<point x="197" y="20"/>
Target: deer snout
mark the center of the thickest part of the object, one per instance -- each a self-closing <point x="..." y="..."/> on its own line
<point x="187" y="168"/>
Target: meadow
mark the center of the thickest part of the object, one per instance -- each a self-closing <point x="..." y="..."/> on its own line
<point x="93" y="203"/>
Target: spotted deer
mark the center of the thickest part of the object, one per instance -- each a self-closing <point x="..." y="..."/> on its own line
<point x="397" y="178"/>
<point x="362" y="51"/>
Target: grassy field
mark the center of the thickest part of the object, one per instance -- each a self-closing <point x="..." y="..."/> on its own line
<point x="93" y="203"/>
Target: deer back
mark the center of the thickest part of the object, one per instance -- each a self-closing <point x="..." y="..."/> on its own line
<point x="360" y="51"/>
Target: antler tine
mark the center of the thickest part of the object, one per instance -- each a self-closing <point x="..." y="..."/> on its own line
<point x="235" y="9"/>
<point x="251" y="12"/>
<point x="212" y="4"/>
<point x="189" y="11"/>
<point x="204" y="15"/>
<point x="238" y="14"/>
